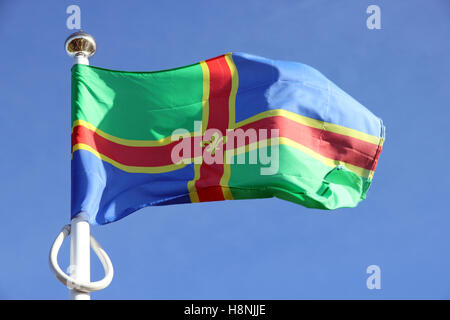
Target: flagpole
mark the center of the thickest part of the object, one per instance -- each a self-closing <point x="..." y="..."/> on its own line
<point x="80" y="46"/>
<point x="80" y="256"/>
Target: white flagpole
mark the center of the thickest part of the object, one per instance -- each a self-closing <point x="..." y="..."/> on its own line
<point x="80" y="46"/>
<point x="80" y="256"/>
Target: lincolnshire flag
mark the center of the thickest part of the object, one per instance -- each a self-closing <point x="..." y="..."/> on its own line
<point x="236" y="126"/>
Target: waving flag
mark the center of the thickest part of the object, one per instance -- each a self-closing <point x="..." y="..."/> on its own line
<point x="233" y="127"/>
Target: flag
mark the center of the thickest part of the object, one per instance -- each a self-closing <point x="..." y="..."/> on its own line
<point x="236" y="126"/>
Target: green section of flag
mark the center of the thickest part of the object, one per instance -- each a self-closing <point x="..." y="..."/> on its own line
<point x="300" y="179"/>
<point x="138" y="105"/>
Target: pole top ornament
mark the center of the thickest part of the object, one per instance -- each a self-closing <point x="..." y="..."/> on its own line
<point x="80" y="43"/>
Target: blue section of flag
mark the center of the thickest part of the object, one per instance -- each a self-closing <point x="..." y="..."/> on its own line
<point x="106" y="193"/>
<point x="266" y="84"/>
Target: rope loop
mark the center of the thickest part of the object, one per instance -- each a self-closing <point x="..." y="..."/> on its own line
<point x="72" y="283"/>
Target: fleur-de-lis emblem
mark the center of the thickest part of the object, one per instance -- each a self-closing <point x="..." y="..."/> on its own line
<point x="214" y="143"/>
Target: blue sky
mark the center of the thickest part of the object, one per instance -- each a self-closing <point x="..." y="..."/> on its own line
<point x="256" y="249"/>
